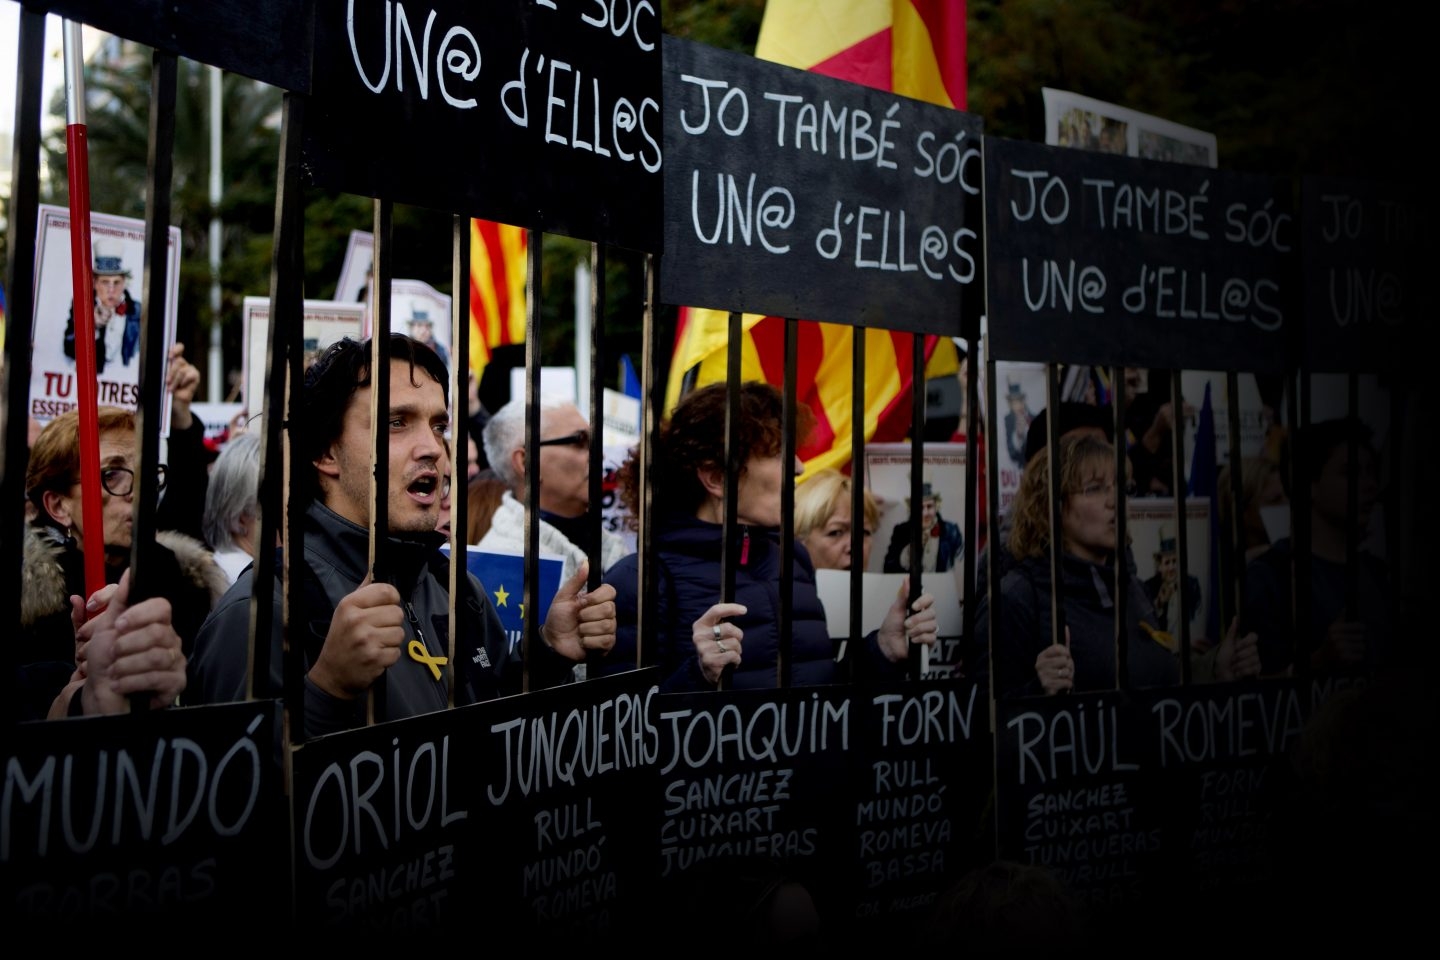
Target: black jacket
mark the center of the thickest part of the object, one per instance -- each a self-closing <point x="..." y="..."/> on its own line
<point x="336" y="559"/>
<point x="1024" y="629"/>
<point x="688" y="550"/>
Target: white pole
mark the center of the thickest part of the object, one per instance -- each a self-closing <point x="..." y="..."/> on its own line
<point x="216" y="375"/>
<point x="582" y="333"/>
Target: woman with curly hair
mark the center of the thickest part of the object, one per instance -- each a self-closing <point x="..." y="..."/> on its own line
<point x="1026" y="659"/>
<point x="699" y="637"/>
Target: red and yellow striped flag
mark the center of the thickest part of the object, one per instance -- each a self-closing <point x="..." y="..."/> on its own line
<point x="911" y="47"/>
<point x="497" y="289"/>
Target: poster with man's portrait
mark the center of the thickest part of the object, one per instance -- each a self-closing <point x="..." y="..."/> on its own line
<point x="1153" y="540"/>
<point x="1019" y="395"/>
<point x="942" y="565"/>
<point x="325" y="322"/>
<point x="416" y="308"/>
<point x="118" y="256"/>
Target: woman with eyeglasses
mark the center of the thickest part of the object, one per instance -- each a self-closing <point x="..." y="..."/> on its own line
<point x="1027" y="661"/>
<point x="57" y="618"/>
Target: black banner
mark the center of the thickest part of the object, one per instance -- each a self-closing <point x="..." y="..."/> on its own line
<point x="569" y="807"/>
<point x="1100" y="259"/>
<point x="1365" y="295"/>
<point x="922" y="775"/>
<point x="542" y="114"/>
<point x="266" y="40"/>
<point x="173" y="817"/>
<point x="382" y="816"/>
<point x="797" y="195"/>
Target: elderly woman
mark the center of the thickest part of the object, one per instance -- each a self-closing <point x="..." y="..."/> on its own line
<point x="1026" y="660"/>
<point x="56" y="621"/>
<point x="698" y="637"/>
<point x="822" y="520"/>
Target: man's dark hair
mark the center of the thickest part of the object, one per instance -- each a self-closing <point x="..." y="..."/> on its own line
<point x="342" y="369"/>
<point x="1073" y="416"/>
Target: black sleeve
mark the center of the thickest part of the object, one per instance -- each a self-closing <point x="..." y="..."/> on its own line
<point x="182" y="507"/>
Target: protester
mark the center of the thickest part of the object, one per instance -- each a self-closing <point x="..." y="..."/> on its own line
<point x="567" y="526"/>
<point x="822" y="520"/>
<point x="354" y="626"/>
<point x="699" y="637"/>
<point x="54" y="560"/>
<point x="1026" y="658"/>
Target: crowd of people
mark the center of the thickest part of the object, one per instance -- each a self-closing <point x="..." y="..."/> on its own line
<point x="362" y="622"/>
<point x="374" y="627"/>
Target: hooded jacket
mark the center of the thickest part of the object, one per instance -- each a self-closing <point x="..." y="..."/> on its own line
<point x="1024" y="628"/>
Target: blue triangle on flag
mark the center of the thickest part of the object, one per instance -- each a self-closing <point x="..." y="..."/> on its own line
<point x="630" y="383"/>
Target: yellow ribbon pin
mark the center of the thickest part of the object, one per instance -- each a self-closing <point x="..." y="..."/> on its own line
<point x="419" y="654"/>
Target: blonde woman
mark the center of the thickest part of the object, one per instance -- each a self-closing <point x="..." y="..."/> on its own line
<point x="822" y="520"/>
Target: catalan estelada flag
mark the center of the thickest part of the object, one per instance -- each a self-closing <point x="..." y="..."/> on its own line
<point x="497" y="289"/>
<point x="911" y="47"/>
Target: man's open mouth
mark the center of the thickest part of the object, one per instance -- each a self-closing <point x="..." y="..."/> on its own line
<point x="424" y="488"/>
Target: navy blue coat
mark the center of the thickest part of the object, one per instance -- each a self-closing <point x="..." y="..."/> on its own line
<point x="689" y="584"/>
<point x="1024" y="629"/>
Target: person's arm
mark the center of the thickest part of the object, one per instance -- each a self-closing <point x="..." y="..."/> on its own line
<point x="1020" y="635"/>
<point x="889" y="646"/>
<point x="187" y="477"/>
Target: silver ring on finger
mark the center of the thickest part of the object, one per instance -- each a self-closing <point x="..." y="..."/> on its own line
<point x="716" y="630"/>
<point x="721" y="645"/>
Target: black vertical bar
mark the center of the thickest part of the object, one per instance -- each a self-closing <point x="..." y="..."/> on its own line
<point x="1236" y="533"/>
<point x="917" y="489"/>
<point x="1300" y="563"/>
<point x="20" y="289"/>
<point x="532" y="452"/>
<point x="649" y="427"/>
<point x="970" y="601"/>
<point x="1353" y="532"/>
<point x="595" y="414"/>
<point x="734" y="463"/>
<point x="460" y="430"/>
<point x="993" y="597"/>
<point x="1178" y="487"/>
<point x="283" y="354"/>
<point x="1052" y="452"/>
<point x="857" y="502"/>
<point x="1122" y="517"/>
<point x="787" y="508"/>
<point x="376" y="703"/>
<point x="153" y="359"/>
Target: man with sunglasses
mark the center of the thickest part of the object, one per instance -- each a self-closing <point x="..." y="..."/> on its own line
<point x="567" y="528"/>
<point x="53" y="603"/>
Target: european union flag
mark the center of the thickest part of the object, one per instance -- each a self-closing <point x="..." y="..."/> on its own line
<point x="503" y="577"/>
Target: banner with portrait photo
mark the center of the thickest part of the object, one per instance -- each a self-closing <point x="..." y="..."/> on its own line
<point x="325" y="322"/>
<point x="118" y="251"/>
<point x="1019" y="395"/>
<point x="1151" y="528"/>
<point x="887" y="478"/>
<point x="416" y="308"/>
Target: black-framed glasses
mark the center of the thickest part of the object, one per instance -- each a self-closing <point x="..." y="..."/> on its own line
<point x="120" y="481"/>
<point x="580" y="438"/>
